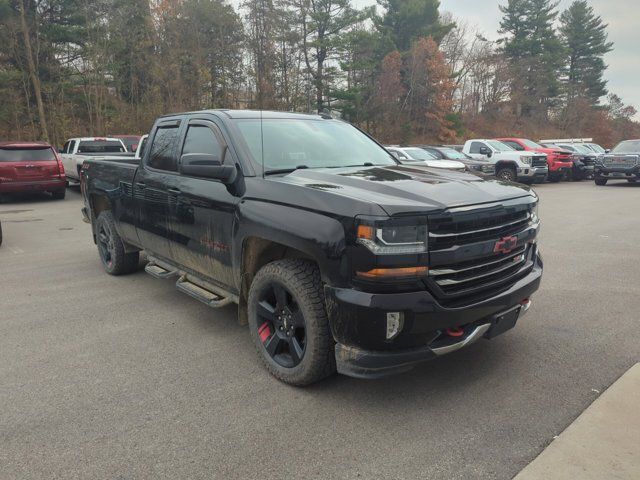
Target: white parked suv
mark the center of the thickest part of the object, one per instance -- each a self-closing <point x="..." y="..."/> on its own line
<point x="417" y="155"/>
<point x="511" y="165"/>
<point x="77" y="150"/>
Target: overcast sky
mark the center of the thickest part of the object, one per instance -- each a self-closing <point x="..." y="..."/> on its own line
<point x="622" y="16"/>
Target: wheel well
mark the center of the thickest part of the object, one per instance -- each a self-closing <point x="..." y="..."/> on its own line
<point x="256" y="253"/>
<point x="99" y="204"/>
<point x="510" y="165"/>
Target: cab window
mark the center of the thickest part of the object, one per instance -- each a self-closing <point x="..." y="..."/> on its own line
<point x="162" y="155"/>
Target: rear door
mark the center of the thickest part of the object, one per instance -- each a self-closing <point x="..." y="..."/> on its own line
<point x="155" y="188"/>
<point x="29" y="164"/>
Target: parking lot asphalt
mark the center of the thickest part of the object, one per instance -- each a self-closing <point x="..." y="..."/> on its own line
<point x="125" y="377"/>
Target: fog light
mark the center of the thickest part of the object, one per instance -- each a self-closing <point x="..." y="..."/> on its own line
<point x="395" y="321"/>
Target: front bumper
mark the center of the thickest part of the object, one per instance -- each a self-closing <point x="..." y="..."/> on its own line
<point x="33" y="186"/>
<point x="358" y="323"/>
<point x="617" y="173"/>
<point x="533" y="174"/>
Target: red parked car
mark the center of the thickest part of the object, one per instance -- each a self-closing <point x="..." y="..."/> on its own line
<point x="559" y="160"/>
<point x="31" y="167"/>
<point x="130" y="141"/>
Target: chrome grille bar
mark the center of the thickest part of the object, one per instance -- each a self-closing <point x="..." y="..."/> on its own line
<point x="452" y="271"/>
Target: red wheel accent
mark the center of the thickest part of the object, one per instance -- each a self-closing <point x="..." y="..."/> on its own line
<point x="455" y="332"/>
<point x="264" y="332"/>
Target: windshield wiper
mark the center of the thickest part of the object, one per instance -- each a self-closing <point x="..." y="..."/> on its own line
<point x="285" y="170"/>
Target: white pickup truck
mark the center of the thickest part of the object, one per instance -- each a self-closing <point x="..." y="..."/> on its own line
<point x="76" y="150"/>
<point x="511" y="165"/>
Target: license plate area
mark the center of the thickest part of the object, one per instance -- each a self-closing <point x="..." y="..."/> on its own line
<point x="501" y="322"/>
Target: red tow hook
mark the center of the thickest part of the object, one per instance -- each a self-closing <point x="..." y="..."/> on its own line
<point x="455" y="332"/>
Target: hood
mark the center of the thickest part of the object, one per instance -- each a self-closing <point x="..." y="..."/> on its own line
<point x="450" y="164"/>
<point x="406" y="189"/>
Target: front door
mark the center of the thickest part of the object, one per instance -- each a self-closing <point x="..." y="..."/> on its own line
<point x="204" y="213"/>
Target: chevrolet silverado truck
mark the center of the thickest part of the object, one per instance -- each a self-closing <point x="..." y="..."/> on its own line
<point x="511" y="165"/>
<point x="558" y="159"/>
<point x="621" y="163"/>
<point x="338" y="256"/>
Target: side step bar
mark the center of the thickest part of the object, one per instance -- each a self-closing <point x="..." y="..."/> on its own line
<point x="205" y="296"/>
<point x="190" y="284"/>
<point x="159" y="272"/>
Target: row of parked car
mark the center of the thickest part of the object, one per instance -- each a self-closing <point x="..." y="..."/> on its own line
<point x="39" y="167"/>
<point x="510" y="159"/>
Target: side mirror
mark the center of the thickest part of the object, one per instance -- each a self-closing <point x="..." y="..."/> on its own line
<point x="207" y="166"/>
<point x="607" y="150"/>
<point x="485" y="151"/>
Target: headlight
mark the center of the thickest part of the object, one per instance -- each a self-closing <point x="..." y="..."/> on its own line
<point x="534" y="212"/>
<point x="526" y="160"/>
<point x="384" y="237"/>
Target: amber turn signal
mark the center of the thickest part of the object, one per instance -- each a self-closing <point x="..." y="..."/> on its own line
<point x="378" y="273"/>
<point x="365" y="231"/>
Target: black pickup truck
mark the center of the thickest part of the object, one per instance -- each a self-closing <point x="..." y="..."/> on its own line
<point x="622" y="163"/>
<point x="337" y="256"/>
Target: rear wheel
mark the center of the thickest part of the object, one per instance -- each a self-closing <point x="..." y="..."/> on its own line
<point x="601" y="181"/>
<point x="115" y="259"/>
<point x="288" y="322"/>
<point x="507" y="174"/>
<point x="59" y="194"/>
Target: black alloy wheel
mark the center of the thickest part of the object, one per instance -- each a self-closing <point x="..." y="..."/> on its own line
<point x="281" y="325"/>
<point x="106" y="245"/>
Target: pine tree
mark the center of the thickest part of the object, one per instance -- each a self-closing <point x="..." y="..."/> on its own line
<point x="584" y="37"/>
<point x="405" y="21"/>
<point x="535" y="53"/>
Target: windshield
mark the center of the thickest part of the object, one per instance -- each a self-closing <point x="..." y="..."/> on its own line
<point x="595" y="147"/>
<point x="315" y="143"/>
<point x="499" y="146"/>
<point x="583" y="149"/>
<point x="453" y="154"/>
<point x="100" y="146"/>
<point x="628" y="146"/>
<point x="44" y="154"/>
<point x="531" y="144"/>
<point x="418" y="154"/>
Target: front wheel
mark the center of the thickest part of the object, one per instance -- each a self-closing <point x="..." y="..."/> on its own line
<point x="601" y="181"/>
<point x="115" y="259"/>
<point x="506" y="174"/>
<point x="288" y="322"/>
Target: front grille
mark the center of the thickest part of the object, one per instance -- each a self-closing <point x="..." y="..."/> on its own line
<point x="621" y="161"/>
<point x="447" y="232"/>
<point x="464" y="266"/>
<point x="540" y="161"/>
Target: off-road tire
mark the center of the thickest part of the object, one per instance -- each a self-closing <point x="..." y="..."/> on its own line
<point x="601" y="181"/>
<point x="507" y="174"/>
<point x="301" y="278"/>
<point x="118" y="261"/>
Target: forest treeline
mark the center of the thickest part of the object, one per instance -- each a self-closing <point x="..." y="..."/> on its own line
<point x="404" y="70"/>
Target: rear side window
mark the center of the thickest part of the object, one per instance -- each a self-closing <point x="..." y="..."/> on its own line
<point x="476" y="146"/>
<point x="201" y="139"/>
<point x="162" y="155"/>
<point x="27" y="154"/>
<point x="100" y="146"/>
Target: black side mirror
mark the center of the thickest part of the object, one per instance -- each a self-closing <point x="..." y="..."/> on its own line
<point x="485" y="151"/>
<point x="607" y="150"/>
<point x="207" y="166"/>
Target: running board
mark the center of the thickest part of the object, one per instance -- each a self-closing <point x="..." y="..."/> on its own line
<point x="158" y="272"/>
<point x="199" y="293"/>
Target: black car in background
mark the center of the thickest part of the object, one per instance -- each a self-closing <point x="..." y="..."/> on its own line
<point x="483" y="167"/>
<point x="622" y="163"/>
<point x="583" y="158"/>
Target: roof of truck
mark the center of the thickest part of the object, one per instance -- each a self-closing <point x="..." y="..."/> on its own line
<point x="255" y="114"/>
<point x="24" y="144"/>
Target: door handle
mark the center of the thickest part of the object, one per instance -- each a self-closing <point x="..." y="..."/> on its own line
<point x="141" y="185"/>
